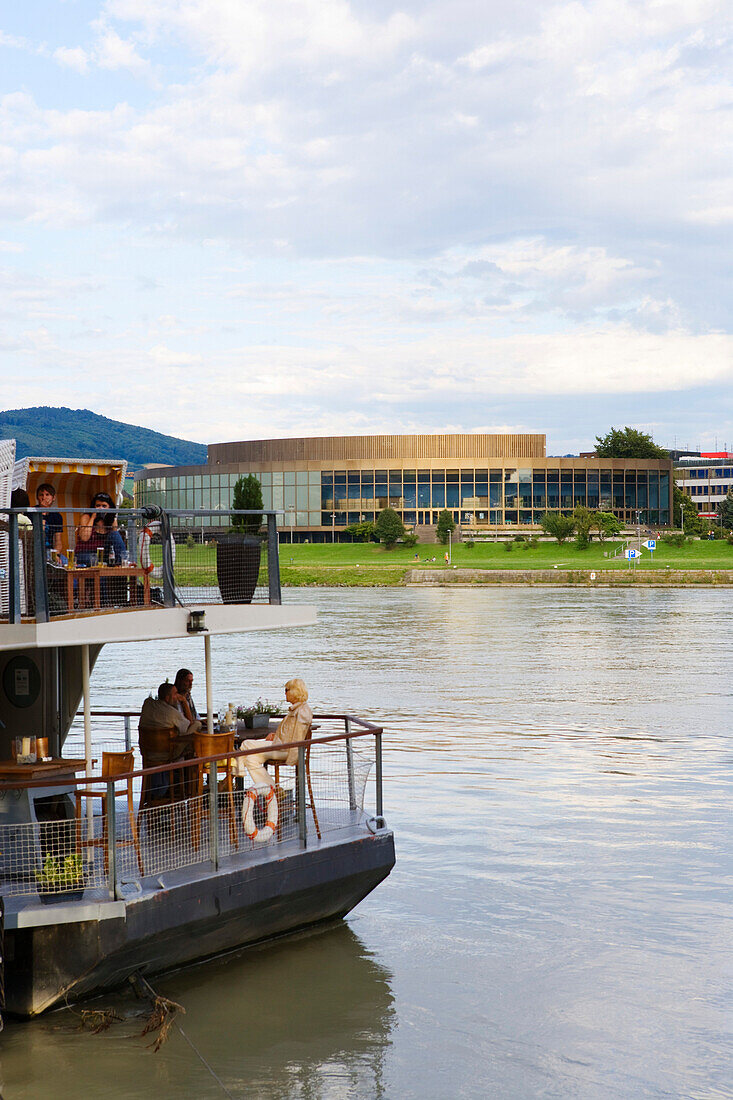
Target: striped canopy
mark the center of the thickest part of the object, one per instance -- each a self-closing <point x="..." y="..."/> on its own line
<point x="75" y="481"/>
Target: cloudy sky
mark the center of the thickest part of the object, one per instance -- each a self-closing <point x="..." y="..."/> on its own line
<point x="242" y="218"/>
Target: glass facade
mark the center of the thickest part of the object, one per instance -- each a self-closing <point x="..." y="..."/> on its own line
<point x="477" y="497"/>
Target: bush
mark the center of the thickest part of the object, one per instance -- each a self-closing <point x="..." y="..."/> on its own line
<point x="677" y="540"/>
<point x="559" y="526"/>
<point x="190" y="542"/>
<point x="410" y="539"/>
<point x="533" y="542"/>
<point x="517" y="538"/>
<point x="508" y="546"/>
<point x="469" y="543"/>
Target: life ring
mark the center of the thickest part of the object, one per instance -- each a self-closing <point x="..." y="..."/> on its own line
<point x="258" y="836"/>
<point x="143" y="549"/>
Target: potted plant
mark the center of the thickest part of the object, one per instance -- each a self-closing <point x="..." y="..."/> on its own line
<point x="61" y="878"/>
<point x="238" y="553"/>
<point x="258" y="715"/>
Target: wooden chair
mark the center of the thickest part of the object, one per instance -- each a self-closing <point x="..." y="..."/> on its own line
<point x="279" y="764"/>
<point x="213" y="744"/>
<point x="157" y="747"/>
<point x="113" y="763"/>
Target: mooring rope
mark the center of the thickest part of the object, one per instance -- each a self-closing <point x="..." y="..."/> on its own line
<point x="158" y="1002"/>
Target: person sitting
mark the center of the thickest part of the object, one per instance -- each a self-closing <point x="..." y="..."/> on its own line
<point x="53" y="523"/>
<point x="98" y="530"/>
<point x="185" y="704"/>
<point x="294" y="727"/>
<point x="163" y="713"/>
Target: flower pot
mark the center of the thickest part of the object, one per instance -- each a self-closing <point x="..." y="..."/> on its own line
<point x="256" y="721"/>
<point x="53" y="897"/>
<point x="237" y="566"/>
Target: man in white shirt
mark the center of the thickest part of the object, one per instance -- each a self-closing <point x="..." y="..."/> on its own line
<point x="163" y="713"/>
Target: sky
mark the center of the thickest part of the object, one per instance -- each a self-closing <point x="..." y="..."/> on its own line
<point x="232" y="219"/>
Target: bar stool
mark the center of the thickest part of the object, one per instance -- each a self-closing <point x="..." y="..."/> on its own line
<point x="213" y="744"/>
<point x="113" y="763"/>
<point x="279" y="764"/>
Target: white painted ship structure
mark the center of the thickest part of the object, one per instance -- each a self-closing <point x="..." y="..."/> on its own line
<point x="93" y="896"/>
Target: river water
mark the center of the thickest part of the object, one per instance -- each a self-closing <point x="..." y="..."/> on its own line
<point x="557" y="773"/>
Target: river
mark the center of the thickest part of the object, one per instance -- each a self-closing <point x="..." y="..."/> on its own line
<point x="557" y="773"/>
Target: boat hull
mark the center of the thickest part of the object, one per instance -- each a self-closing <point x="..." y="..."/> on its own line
<point x="188" y="915"/>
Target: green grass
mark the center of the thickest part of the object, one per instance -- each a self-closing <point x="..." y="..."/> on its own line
<point x="369" y="564"/>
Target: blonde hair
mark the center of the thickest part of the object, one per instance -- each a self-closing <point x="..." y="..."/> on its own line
<point x="298" y="688"/>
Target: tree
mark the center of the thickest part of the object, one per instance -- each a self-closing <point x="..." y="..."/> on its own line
<point x="389" y="528"/>
<point x="725" y="510"/>
<point x="446" y="525"/>
<point x="559" y="526"/>
<point x="628" y="443"/>
<point x="583" y="518"/>
<point x="247" y="496"/>
<point x="606" y="524"/>
<point x="693" y="525"/>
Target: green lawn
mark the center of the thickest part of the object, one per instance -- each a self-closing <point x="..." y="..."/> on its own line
<point x="301" y="563"/>
<point x="370" y="564"/>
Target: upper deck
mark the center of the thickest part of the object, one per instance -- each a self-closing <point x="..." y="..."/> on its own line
<point x="167" y="575"/>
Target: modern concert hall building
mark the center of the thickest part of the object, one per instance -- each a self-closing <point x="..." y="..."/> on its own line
<point x="488" y="482"/>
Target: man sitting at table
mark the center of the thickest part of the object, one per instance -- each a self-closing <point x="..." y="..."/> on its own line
<point x="294" y="727"/>
<point x="162" y="713"/>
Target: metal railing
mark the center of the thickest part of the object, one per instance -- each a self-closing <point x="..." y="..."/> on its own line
<point x="111" y="851"/>
<point x="149" y="558"/>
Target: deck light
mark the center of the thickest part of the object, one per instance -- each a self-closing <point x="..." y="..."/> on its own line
<point x="196" y="622"/>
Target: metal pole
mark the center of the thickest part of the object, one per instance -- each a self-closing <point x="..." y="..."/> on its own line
<point x="14" y="606"/>
<point x="39" y="569"/>
<point x="87" y="741"/>
<point x="302" y="825"/>
<point x="350" y="768"/>
<point x="682" y="512"/>
<point x="450" y="548"/>
<point x="128" y="738"/>
<point x="111" y="838"/>
<point x="273" y="561"/>
<point x="214" y="815"/>
<point x="333" y="527"/>
<point x="209" y="693"/>
<point x="378" y="772"/>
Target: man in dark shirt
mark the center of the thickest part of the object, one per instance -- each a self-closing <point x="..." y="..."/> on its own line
<point x="53" y="523"/>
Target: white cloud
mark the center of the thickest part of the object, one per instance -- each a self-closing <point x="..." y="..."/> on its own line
<point x="76" y="58"/>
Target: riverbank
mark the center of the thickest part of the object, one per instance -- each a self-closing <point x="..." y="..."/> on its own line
<point x="370" y="565"/>
<point x="615" y="578"/>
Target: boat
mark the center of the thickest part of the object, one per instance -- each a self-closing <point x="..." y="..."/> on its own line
<point x="98" y="889"/>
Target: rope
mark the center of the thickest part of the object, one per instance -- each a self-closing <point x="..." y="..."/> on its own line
<point x="159" y="1001"/>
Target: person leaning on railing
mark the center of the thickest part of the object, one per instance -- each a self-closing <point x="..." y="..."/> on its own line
<point x="294" y="727"/>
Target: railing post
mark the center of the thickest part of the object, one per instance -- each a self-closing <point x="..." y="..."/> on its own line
<point x="214" y="815"/>
<point x="39" y="569"/>
<point x="350" y="767"/>
<point x="111" y="839"/>
<point x="14" y="608"/>
<point x="169" y="582"/>
<point x="128" y="738"/>
<point x="273" y="560"/>
<point x="378" y="771"/>
<point x="302" y="825"/>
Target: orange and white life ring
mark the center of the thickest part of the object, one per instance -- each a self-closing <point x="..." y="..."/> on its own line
<point x="268" y="830"/>
<point x="143" y="549"/>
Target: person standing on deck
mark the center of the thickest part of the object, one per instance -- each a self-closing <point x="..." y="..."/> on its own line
<point x="294" y="727"/>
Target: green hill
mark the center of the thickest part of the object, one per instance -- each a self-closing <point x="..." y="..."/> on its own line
<point x="79" y="433"/>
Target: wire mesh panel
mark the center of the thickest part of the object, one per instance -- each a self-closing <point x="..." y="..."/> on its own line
<point x="50" y="858"/>
<point x="212" y="566"/>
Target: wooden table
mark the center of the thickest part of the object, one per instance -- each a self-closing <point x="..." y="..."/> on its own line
<point x="94" y="573"/>
<point x="12" y="772"/>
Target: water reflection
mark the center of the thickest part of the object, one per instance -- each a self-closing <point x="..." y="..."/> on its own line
<point x="557" y="771"/>
<point x="310" y="1016"/>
